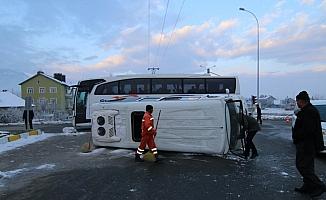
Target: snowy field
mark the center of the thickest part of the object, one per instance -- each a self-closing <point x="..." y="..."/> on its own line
<point x="276" y="113"/>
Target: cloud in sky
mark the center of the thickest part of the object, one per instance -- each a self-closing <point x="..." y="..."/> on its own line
<point x="110" y="37"/>
<point x="307" y="2"/>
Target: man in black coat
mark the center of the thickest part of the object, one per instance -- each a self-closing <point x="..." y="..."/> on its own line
<point x="252" y="127"/>
<point x="30" y="118"/>
<point x="308" y="139"/>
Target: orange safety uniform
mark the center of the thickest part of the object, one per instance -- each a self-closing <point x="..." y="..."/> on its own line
<point x="147" y="135"/>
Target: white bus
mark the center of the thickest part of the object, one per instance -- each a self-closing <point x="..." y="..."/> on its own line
<point x="81" y="92"/>
<point x="187" y="123"/>
<point x="157" y="85"/>
<point x="200" y="113"/>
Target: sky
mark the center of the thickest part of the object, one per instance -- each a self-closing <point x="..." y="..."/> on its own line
<point x="90" y="39"/>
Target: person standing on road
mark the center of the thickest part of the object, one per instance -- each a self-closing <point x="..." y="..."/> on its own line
<point x="252" y="127"/>
<point x="308" y="139"/>
<point x="147" y="135"/>
<point x="30" y="118"/>
<point x="259" y="114"/>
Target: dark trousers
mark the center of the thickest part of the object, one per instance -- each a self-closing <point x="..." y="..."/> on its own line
<point x="30" y="124"/>
<point x="305" y="164"/>
<point x="259" y="119"/>
<point x="249" y="144"/>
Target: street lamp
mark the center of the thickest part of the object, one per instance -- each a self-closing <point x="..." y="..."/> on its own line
<point x="242" y="9"/>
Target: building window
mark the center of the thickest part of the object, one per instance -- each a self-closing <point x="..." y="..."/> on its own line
<point x="30" y="90"/>
<point x="42" y="90"/>
<point x="53" y="89"/>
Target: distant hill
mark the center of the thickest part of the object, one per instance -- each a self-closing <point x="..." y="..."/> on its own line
<point x="9" y="80"/>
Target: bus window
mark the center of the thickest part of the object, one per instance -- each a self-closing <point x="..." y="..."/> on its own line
<point x="126" y="87"/>
<point x="157" y="88"/>
<point x="194" y="86"/>
<point x="218" y="86"/>
<point x="142" y="86"/>
<point x="166" y="86"/>
<point x="81" y="98"/>
<point x="136" y="121"/>
<point x="107" y="89"/>
<point x="174" y="88"/>
<point x="80" y="107"/>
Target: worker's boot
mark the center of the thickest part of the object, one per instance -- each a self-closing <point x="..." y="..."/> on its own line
<point x="138" y="158"/>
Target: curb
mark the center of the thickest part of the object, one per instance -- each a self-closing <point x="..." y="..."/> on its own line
<point x="14" y="137"/>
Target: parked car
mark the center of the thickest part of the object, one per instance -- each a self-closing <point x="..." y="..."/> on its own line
<point x="321" y="107"/>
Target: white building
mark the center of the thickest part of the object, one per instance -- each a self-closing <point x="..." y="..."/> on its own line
<point x="11" y="107"/>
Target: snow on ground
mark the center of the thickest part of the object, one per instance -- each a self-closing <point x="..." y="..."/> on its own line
<point x="32" y="139"/>
<point x="12" y="173"/>
<point x="22" y="142"/>
<point x="69" y="130"/>
<point x="116" y="153"/>
<point x="276" y="113"/>
<point x="284" y="174"/>
<point x="46" y="166"/>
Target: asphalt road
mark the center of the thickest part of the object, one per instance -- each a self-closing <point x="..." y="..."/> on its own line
<point x="113" y="174"/>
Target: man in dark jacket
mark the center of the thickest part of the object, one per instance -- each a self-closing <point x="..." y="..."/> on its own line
<point x="252" y="127"/>
<point x="308" y="139"/>
<point x="30" y="118"/>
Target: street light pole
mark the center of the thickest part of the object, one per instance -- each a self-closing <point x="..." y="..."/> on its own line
<point x="242" y="9"/>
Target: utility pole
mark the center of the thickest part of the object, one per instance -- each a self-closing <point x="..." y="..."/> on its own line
<point x="153" y="69"/>
<point x="248" y="11"/>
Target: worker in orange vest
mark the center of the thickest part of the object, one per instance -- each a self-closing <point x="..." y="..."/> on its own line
<point x="147" y="135"/>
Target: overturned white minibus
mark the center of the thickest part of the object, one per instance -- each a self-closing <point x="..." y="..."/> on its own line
<point x="188" y="123"/>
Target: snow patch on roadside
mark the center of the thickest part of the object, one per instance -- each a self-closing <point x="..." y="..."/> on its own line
<point x="118" y="153"/>
<point x="94" y="152"/>
<point x="24" y="141"/>
<point x="112" y="154"/>
<point x="69" y="130"/>
<point x="46" y="166"/>
<point x="72" y="133"/>
<point x="284" y="174"/>
<point x="12" y="173"/>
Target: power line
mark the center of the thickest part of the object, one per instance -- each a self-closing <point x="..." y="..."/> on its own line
<point x="159" y="45"/>
<point x="172" y="33"/>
